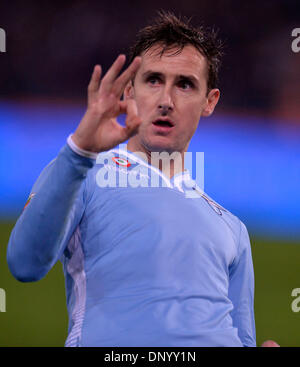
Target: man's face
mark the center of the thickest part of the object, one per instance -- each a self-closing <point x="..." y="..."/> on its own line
<point x="171" y="95"/>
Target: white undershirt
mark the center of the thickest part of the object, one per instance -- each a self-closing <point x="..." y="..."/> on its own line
<point x="82" y="152"/>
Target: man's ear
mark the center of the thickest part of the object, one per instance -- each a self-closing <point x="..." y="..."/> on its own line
<point x="128" y="91"/>
<point x="211" y="102"/>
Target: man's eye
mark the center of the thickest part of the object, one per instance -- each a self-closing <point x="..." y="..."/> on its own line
<point x="185" y="84"/>
<point x="153" y="80"/>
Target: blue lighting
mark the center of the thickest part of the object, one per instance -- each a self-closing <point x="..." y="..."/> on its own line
<point x="252" y="166"/>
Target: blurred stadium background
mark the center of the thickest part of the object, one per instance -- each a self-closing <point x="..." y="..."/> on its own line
<point x="251" y="144"/>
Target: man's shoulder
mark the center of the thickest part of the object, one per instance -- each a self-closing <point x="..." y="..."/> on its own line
<point x="233" y="222"/>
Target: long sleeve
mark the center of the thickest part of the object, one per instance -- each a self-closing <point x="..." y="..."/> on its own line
<point x="241" y="290"/>
<point x="49" y="220"/>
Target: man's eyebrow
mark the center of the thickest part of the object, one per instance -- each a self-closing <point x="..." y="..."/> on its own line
<point x="152" y="73"/>
<point x="192" y="78"/>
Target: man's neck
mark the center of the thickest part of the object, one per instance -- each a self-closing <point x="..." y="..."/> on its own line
<point x="169" y="163"/>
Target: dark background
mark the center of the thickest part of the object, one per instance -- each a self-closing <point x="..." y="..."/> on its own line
<point x="53" y="45"/>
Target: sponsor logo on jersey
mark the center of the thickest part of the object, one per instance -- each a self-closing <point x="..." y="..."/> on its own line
<point x="121" y="161"/>
<point x="28" y="200"/>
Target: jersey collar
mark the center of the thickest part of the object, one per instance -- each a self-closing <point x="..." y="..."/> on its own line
<point x="175" y="182"/>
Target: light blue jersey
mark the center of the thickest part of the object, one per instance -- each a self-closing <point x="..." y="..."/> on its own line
<point x="144" y="266"/>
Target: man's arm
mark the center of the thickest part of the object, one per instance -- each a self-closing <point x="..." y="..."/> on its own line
<point x="241" y="290"/>
<point x="48" y="221"/>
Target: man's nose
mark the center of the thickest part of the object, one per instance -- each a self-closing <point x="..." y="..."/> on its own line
<point x="165" y="103"/>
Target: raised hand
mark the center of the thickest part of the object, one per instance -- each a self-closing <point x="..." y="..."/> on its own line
<point x="99" y="130"/>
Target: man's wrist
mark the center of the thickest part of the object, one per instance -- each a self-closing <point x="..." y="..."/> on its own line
<point x="80" y="151"/>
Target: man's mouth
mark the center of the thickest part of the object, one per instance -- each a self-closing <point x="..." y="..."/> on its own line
<point x="163" y="123"/>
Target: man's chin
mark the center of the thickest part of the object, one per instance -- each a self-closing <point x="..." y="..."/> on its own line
<point x="154" y="144"/>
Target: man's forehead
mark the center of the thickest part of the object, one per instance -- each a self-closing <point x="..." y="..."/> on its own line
<point x="187" y="57"/>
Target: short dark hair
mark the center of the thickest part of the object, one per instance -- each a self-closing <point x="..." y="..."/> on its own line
<point x="171" y="31"/>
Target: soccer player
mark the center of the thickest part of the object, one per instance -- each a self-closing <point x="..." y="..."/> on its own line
<point x="144" y="266"/>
